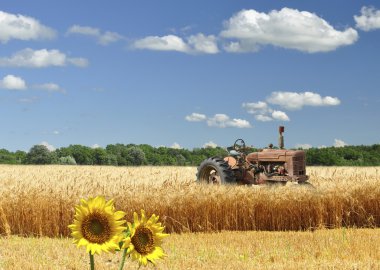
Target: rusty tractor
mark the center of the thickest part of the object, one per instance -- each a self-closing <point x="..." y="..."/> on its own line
<point x="268" y="166"/>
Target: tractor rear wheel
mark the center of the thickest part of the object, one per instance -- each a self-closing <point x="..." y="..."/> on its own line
<point x="215" y="171"/>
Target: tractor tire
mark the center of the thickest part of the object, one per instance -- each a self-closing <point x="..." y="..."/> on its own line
<point x="215" y="171"/>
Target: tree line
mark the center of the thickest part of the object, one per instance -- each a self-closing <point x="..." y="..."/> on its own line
<point x="144" y="154"/>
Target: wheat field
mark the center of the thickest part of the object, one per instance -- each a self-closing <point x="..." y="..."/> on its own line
<point x="39" y="200"/>
<point x="333" y="226"/>
<point x="338" y="249"/>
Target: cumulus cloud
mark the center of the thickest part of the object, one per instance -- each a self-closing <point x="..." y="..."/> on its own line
<point x="368" y="20"/>
<point x="263" y="112"/>
<point x="287" y="28"/>
<point x="48" y="146"/>
<point x="256" y="107"/>
<point x="295" y="101"/>
<point x="279" y="115"/>
<point x="50" y="87"/>
<point x="223" y="121"/>
<point x="203" y="44"/>
<point x="303" y="146"/>
<point x="103" y="38"/>
<point x="12" y="82"/>
<point x="165" y="43"/>
<point x="40" y="58"/>
<point x="94" y="146"/>
<point x="210" y="144"/>
<point x="195" y="44"/>
<point x="339" y="143"/>
<point x="23" y="28"/>
<point x="219" y="120"/>
<point x="263" y="118"/>
<point x="196" y="117"/>
<point x="176" y="146"/>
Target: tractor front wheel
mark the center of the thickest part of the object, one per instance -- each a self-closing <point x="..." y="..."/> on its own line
<point x="215" y="171"/>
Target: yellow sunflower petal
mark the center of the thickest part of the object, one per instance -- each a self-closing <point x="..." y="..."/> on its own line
<point x="130" y="248"/>
<point x="136" y="219"/>
<point x="97" y="228"/>
<point x="143" y="217"/>
<point x="149" y="249"/>
<point x="143" y="261"/>
<point x="126" y="242"/>
<point x="119" y="214"/>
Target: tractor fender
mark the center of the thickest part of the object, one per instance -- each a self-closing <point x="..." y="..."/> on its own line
<point x="232" y="162"/>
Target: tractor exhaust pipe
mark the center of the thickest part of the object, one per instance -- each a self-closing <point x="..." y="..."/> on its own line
<point x="281" y="129"/>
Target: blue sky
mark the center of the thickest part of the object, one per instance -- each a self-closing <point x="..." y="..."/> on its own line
<point x="189" y="73"/>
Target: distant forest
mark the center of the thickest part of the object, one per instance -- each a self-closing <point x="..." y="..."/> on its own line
<point x="143" y="154"/>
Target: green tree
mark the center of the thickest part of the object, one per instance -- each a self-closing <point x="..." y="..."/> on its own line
<point x="68" y="160"/>
<point x="81" y="154"/>
<point x="40" y="154"/>
<point x="135" y="156"/>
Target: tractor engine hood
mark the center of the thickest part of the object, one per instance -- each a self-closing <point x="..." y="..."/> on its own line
<point x="274" y="155"/>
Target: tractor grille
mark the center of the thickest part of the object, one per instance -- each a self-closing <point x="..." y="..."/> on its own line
<point x="299" y="165"/>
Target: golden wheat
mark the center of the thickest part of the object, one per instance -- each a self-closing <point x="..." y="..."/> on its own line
<point x="322" y="249"/>
<point x="39" y="200"/>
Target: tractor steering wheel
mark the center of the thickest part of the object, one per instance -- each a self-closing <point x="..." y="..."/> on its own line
<point x="239" y="145"/>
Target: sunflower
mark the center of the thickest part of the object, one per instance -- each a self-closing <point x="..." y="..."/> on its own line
<point x="97" y="226"/>
<point x="144" y="242"/>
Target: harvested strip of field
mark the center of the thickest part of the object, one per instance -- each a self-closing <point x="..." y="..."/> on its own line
<point x="322" y="249"/>
<point x="39" y="200"/>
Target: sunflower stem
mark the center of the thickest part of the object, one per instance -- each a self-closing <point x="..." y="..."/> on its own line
<point x="123" y="259"/>
<point x="92" y="263"/>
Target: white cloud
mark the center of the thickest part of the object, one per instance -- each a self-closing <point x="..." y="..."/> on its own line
<point x="94" y="146"/>
<point x="368" y="20"/>
<point x="12" y="82"/>
<point x="210" y="144"/>
<point x="109" y="37"/>
<point x="79" y="61"/>
<point x="219" y="120"/>
<point x="165" y="43"/>
<point x="56" y="132"/>
<point x="295" y="101"/>
<point x="48" y="146"/>
<point x="23" y="28"/>
<point x="195" y="117"/>
<point x="239" y="123"/>
<point x="195" y="44"/>
<point x="263" y="112"/>
<point x="287" y="28"/>
<point x="40" y="58"/>
<point x="83" y="30"/>
<point x="50" y="87"/>
<point x="263" y="118"/>
<point x="223" y="121"/>
<point x="104" y="38"/>
<point x="257" y="107"/>
<point x="339" y="143"/>
<point x="241" y="46"/>
<point x="322" y="146"/>
<point x="303" y="146"/>
<point x="203" y="44"/>
<point x="176" y="146"/>
<point x="279" y="115"/>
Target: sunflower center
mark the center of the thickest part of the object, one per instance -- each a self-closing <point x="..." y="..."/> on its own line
<point x="96" y="228"/>
<point x="143" y="240"/>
